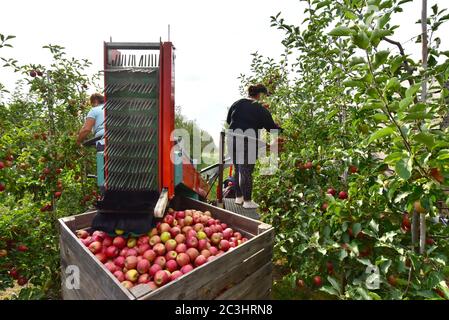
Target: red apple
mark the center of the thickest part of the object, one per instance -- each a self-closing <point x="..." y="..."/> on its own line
<point x="211" y="258"/>
<point x="119" y="242"/>
<point x="153" y="269"/>
<point x="22" y="281"/>
<point x="200" y="260"/>
<point x="216" y="238"/>
<point x="155" y="240"/>
<point x="192" y="242"/>
<point x="100" y="234"/>
<point x="208" y="231"/>
<point x="82" y="234"/>
<point x="161" y="278"/>
<point x="143" y="278"/>
<point x="224" y="245"/>
<point x="111" y="266"/>
<point x="95" y="247"/>
<point x="218" y="228"/>
<point x="186" y="229"/>
<point x="175" y="231"/>
<point x="331" y="191"/>
<point x="169" y="219"/>
<point x="227" y="233"/>
<point x="206" y="253"/>
<point x="123" y="252"/>
<point x="317" y="281"/>
<point x="159" y="248"/>
<point x="131" y="262"/>
<point x="224" y="226"/>
<point x="198" y="227"/>
<point x="160" y="261"/>
<point x="171" y="255"/>
<point x="343" y="195"/>
<point x="102" y="257"/>
<point x="211" y="222"/>
<point x="175" y="275"/>
<point x="191" y="233"/>
<point x="87" y="241"/>
<point x="107" y="242"/>
<point x="204" y="219"/>
<point x="202" y="244"/>
<point x="150" y="255"/>
<point x="188" y="212"/>
<point x="143" y="266"/>
<point x="120" y="262"/>
<point x="171" y="265"/>
<point x="164" y="227"/>
<point x="180" y="238"/>
<point x="192" y="253"/>
<point x="171" y="245"/>
<point x="119" y="275"/>
<point x="143" y="240"/>
<point x="180" y="215"/>
<point x="181" y="223"/>
<point x="213" y="251"/>
<point x="238" y="235"/>
<point x="183" y="259"/>
<point x="180" y="248"/>
<point x="186" y="268"/>
<point x="152" y="285"/>
<point x="131" y="252"/>
<point x="112" y="252"/>
<point x="142" y="248"/>
<point x="127" y="284"/>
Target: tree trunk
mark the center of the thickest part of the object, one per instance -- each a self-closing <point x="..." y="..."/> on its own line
<point x="422" y="220"/>
<point x="415" y="230"/>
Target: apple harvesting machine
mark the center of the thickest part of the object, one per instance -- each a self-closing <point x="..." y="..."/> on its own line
<point x="142" y="165"/>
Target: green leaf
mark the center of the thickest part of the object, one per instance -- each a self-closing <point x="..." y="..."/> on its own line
<point x="425" y="138"/>
<point x="343" y="254"/>
<point x="380" y="117"/>
<point x="353" y="83"/>
<point x="418" y="116"/>
<point x="443" y="154"/>
<point x="410" y="92"/>
<point x="404" y="169"/>
<point x="329" y="290"/>
<point x="383" y="20"/>
<point x="404" y="103"/>
<point x="381" y="133"/>
<point x="393" y="84"/>
<point x="394" y="157"/>
<point x="356" y="228"/>
<point x="396" y="63"/>
<point x="361" y="40"/>
<point x="380" y="58"/>
<point x="378" y="34"/>
<point x="334" y="284"/>
<point x="374" y="226"/>
<point x="341" y="31"/>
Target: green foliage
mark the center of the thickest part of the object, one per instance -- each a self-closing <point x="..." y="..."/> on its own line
<point x="38" y="127"/>
<point x="353" y="108"/>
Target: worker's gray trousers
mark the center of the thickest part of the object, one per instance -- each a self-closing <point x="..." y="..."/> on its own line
<point x="243" y="177"/>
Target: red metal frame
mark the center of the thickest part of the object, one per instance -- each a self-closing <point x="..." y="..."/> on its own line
<point x="166" y="118"/>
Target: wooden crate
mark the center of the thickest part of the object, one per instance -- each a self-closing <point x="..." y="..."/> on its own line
<point x="243" y="273"/>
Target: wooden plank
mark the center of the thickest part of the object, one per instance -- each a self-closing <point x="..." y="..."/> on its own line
<point x="184" y="287"/>
<point x="140" y="290"/>
<point x="252" y="287"/>
<point x="79" y="221"/>
<point x="233" y="276"/>
<point x="230" y="218"/>
<point x="96" y="282"/>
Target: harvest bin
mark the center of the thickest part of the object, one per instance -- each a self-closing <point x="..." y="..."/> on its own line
<point x="243" y="273"/>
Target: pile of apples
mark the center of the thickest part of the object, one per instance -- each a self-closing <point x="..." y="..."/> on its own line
<point x="182" y="241"/>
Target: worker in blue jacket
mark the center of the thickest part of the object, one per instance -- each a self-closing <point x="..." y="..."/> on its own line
<point x="94" y="121"/>
<point x="245" y="118"/>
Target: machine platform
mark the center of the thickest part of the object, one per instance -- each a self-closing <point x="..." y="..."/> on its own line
<point x="231" y="206"/>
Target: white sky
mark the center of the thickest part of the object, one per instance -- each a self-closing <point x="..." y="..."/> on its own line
<point x="214" y="39"/>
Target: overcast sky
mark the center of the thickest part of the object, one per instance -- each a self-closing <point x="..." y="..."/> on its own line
<point x="214" y="39"/>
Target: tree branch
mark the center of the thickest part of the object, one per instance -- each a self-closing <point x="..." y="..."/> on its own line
<point x="402" y="52"/>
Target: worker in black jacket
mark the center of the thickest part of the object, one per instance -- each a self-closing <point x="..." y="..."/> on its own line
<point x="245" y="118"/>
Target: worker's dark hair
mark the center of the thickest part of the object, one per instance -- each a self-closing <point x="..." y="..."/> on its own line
<point x="254" y="90"/>
<point x="97" y="97"/>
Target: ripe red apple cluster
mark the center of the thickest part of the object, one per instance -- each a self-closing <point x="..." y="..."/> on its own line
<point x="343" y="195"/>
<point x="181" y="242"/>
